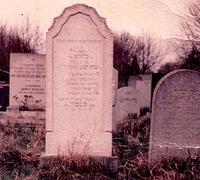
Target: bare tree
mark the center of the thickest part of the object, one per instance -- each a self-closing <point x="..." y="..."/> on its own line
<point x="17" y="40"/>
<point x="134" y="55"/>
<point x="190" y="51"/>
<point x="125" y="55"/>
<point x="192" y="23"/>
<point x="148" y="54"/>
<point x="168" y="67"/>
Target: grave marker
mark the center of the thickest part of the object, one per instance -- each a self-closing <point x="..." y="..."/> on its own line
<point x="126" y="103"/>
<point x="175" y="119"/>
<point x="79" y="84"/>
<point x="27" y="81"/>
<point x="115" y="85"/>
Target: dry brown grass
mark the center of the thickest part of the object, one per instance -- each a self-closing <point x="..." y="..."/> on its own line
<point x="131" y="141"/>
<point x="74" y="168"/>
<point x="21" y="147"/>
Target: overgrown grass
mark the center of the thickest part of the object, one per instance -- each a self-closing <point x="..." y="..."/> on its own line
<point x="79" y="167"/>
<point x="131" y="142"/>
<point x="21" y="147"/>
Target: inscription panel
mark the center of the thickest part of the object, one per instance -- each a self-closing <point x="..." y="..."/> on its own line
<point x="80" y="75"/>
<point x="27" y="80"/>
<point x="180" y="108"/>
<point x="78" y="70"/>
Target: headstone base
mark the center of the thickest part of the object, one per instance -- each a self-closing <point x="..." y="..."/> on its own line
<point x="110" y="163"/>
<point x="167" y="153"/>
<point x="2" y="117"/>
<point x="14" y="115"/>
<point x="12" y="111"/>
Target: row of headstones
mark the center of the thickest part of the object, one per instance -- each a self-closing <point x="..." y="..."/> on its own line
<point x="29" y="93"/>
<point x="79" y="66"/>
<point x="131" y="99"/>
<point x="175" y="117"/>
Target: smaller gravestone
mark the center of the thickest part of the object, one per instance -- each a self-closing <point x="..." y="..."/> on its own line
<point x="126" y="103"/>
<point x="27" y="88"/>
<point x="143" y="85"/>
<point x="131" y="99"/>
<point x="175" y="119"/>
<point x="114" y="85"/>
<point x="27" y="81"/>
<point x="132" y="81"/>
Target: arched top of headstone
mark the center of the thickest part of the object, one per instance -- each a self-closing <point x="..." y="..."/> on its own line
<point x="126" y="91"/>
<point x="99" y="21"/>
<point x="126" y="88"/>
<point x="170" y="75"/>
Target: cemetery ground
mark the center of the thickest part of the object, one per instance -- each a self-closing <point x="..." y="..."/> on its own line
<point x="22" y="146"/>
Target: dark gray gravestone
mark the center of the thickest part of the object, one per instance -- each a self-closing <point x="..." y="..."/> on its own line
<point x="175" y="120"/>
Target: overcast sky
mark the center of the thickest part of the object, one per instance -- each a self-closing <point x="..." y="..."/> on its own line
<point x="161" y="18"/>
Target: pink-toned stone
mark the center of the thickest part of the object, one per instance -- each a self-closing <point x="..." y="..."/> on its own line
<point x="114" y="85"/>
<point x="79" y="84"/>
<point x="127" y="102"/>
<point x="27" y="78"/>
<point x="142" y="83"/>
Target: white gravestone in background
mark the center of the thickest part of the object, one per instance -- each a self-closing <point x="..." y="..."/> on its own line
<point x="114" y="85"/>
<point x="79" y="84"/>
<point x="126" y="103"/>
<point x="27" y="80"/>
<point x="129" y="100"/>
<point x="143" y="85"/>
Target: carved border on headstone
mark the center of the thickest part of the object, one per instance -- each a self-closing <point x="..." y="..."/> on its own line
<point x="108" y="52"/>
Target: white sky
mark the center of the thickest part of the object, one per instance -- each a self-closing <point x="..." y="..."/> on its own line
<point x="160" y="18"/>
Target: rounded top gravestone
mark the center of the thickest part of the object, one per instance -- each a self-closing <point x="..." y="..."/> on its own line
<point x="79" y="83"/>
<point x="175" y="119"/>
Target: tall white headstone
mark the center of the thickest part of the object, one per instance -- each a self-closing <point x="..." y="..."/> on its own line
<point x="79" y="84"/>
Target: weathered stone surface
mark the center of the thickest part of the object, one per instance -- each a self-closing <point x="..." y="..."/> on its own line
<point x="143" y="84"/>
<point x="132" y="81"/>
<point x="129" y="100"/>
<point x="175" y="120"/>
<point x="126" y="103"/>
<point x="115" y="85"/>
<point x="27" y="81"/>
<point x="79" y="84"/>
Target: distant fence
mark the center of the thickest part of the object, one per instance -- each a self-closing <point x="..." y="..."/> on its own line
<point x="4" y="96"/>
